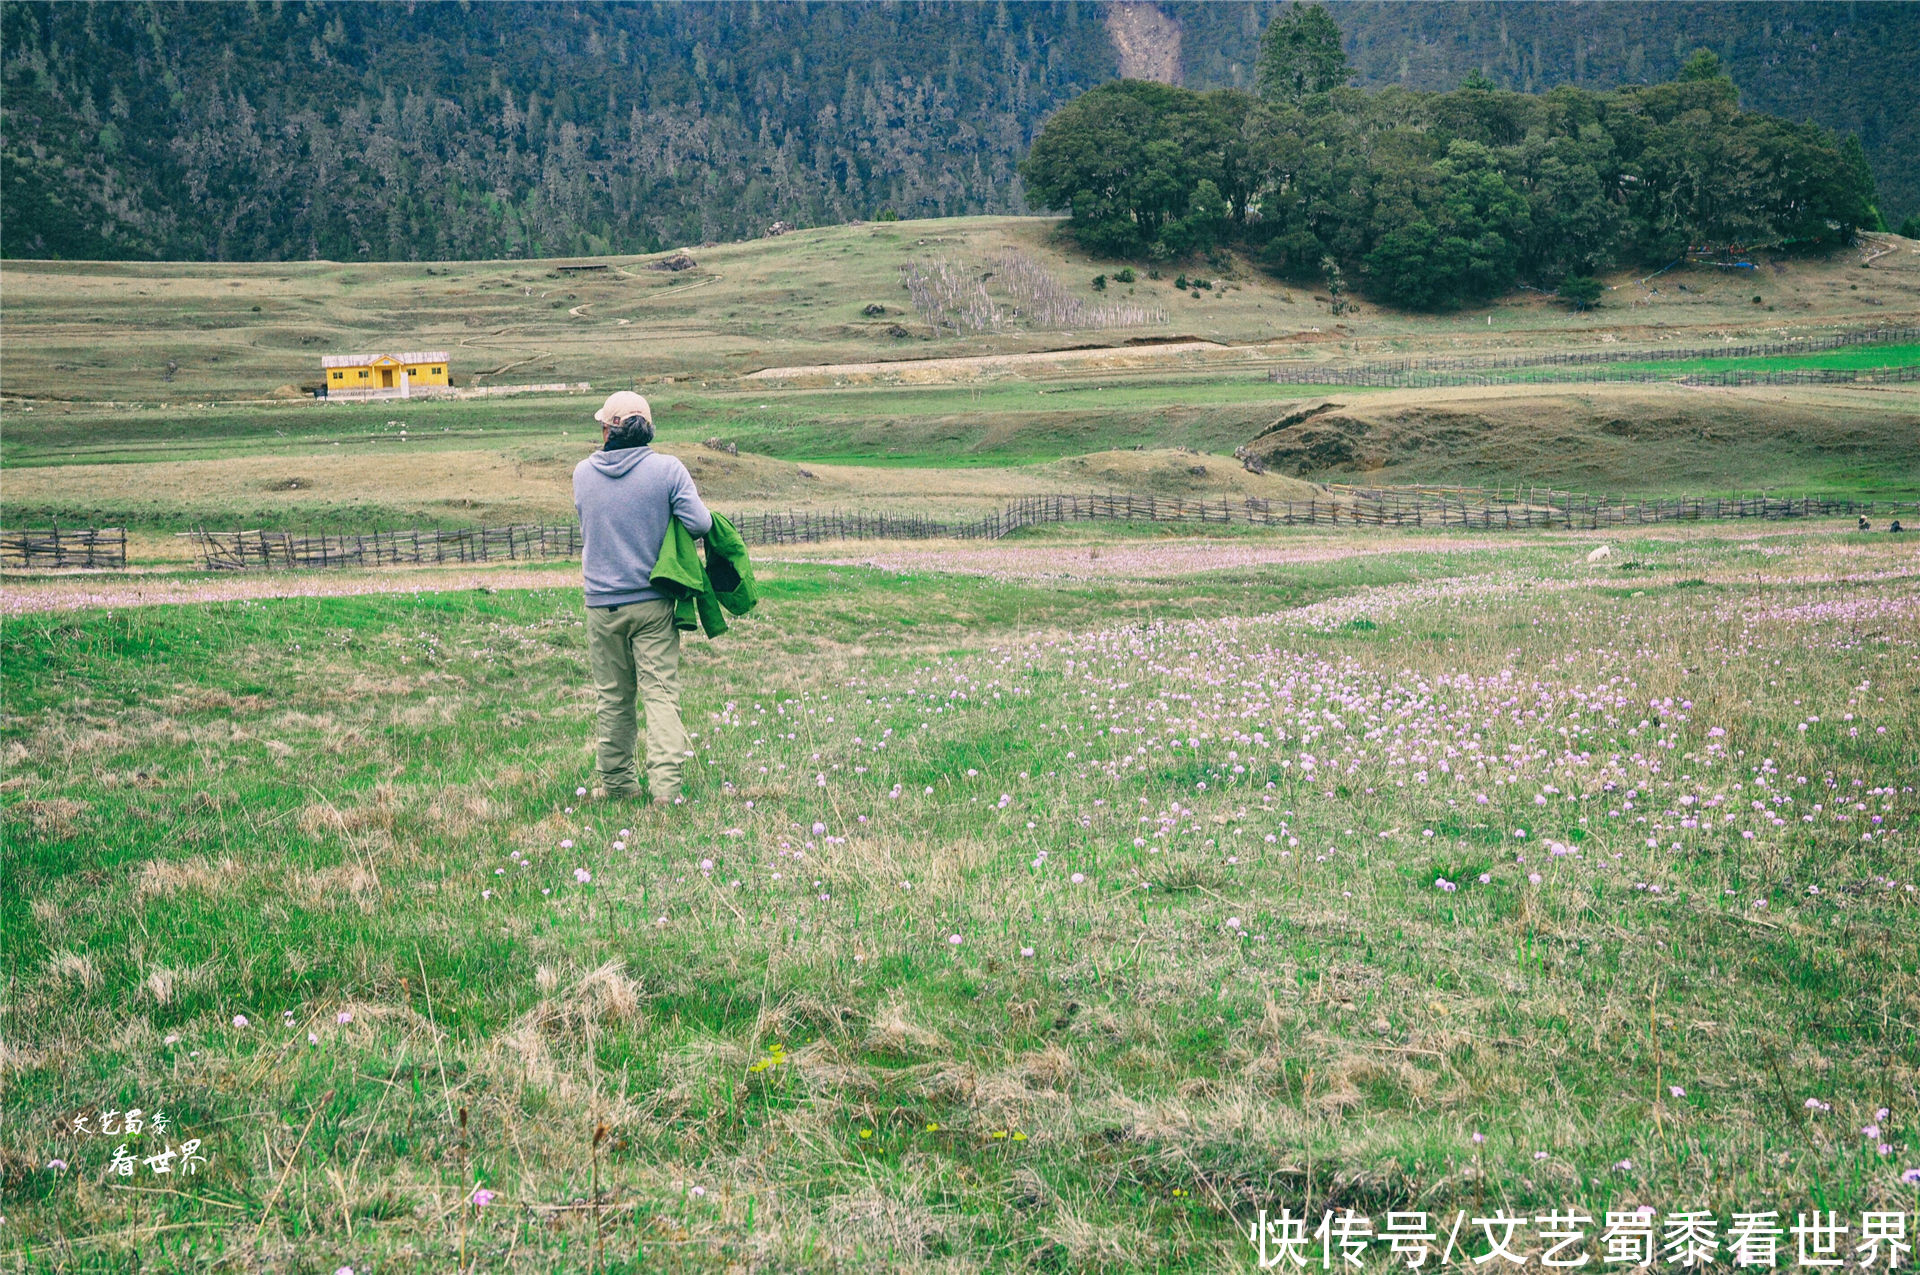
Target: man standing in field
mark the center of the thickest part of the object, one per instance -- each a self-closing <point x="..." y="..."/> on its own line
<point x="626" y="493"/>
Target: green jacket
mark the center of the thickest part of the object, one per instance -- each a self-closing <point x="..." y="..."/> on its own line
<point x="700" y="589"/>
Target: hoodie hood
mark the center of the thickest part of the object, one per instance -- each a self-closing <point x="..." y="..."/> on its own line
<point x="621" y="463"/>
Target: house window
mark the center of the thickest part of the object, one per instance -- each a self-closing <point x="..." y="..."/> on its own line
<point x="363" y="374"/>
<point x="436" y="371"/>
<point x="339" y="376"/>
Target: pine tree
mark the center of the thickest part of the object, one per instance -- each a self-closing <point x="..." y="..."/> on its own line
<point x="1301" y="55"/>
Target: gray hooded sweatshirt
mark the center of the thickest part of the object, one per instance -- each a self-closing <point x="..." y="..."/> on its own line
<point x="624" y="499"/>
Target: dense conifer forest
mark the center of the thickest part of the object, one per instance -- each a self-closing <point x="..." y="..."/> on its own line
<point x="359" y="131"/>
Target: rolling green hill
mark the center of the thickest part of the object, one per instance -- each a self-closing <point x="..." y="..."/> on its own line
<point x="161" y="395"/>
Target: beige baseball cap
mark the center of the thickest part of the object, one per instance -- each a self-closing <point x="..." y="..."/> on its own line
<point x="620" y="405"/>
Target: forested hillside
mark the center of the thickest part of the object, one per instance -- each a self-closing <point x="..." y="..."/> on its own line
<point x="386" y="131"/>
<point x="361" y="131"/>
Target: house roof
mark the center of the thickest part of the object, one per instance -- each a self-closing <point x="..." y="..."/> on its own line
<point x="368" y="360"/>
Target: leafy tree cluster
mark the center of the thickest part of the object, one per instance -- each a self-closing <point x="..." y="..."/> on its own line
<point x="1431" y="200"/>
<point x="1847" y="66"/>
<point x="1145" y="167"/>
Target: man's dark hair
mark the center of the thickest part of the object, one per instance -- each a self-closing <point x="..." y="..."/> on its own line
<point x="633" y="431"/>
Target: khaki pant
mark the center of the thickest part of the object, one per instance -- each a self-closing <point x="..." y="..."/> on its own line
<point x="637" y="649"/>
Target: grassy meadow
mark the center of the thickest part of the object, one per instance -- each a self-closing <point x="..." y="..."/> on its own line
<point x="1051" y="904"/>
<point x="1055" y="903"/>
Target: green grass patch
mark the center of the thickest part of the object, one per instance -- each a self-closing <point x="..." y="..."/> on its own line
<point x="1187" y="832"/>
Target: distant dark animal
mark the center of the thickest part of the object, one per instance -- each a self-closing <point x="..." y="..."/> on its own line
<point x="1864" y="524"/>
<point x="1896" y="528"/>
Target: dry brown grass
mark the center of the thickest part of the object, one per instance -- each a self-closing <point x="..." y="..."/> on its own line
<point x="378" y="813"/>
<point x="51" y="817"/>
<point x="70" y="966"/>
<point x="201" y="699"/>
<point x="893" y="1033"/>
<point x="1090" y="1245"/>
<point x="160" y="985"/>
<point x="606" y="993"/>
<point x="1169" y="472"/>
<point x="893" y="1219"/>
<point x="432" y="710"/>
<point x="352" y="881"/>
<point x="164" y="878"/>
<point x="460" y="813"/>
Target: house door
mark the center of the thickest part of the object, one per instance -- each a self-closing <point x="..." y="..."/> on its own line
<point x="386" y="378"/>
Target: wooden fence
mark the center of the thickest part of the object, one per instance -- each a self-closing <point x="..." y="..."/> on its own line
<point x="1482" y="510"/>
<point x="55" y="547"/>
<point x="1420" y="380"/>
<point x="1029" y="511"/>
<point x="1423" y="373"/>
<point x="1545" y="508"/>
<point x="1478" y="509"/>
<point x="521" y="542"/>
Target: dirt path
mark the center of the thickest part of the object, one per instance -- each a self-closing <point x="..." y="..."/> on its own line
<point x="1145" y="560"/>
<point x="507" y="367"/>
<point x="677" y="288"/>
<point x="84" y="590"/>
<point x="977" y="366"/>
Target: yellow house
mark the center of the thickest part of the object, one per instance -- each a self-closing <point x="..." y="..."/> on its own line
<point x="385" y="375"/>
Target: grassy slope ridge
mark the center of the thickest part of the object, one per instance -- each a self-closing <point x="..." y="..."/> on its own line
<point x="1252" y="912"/>
<point x="106" y="331"/>
<point x="1680" y="440"/>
